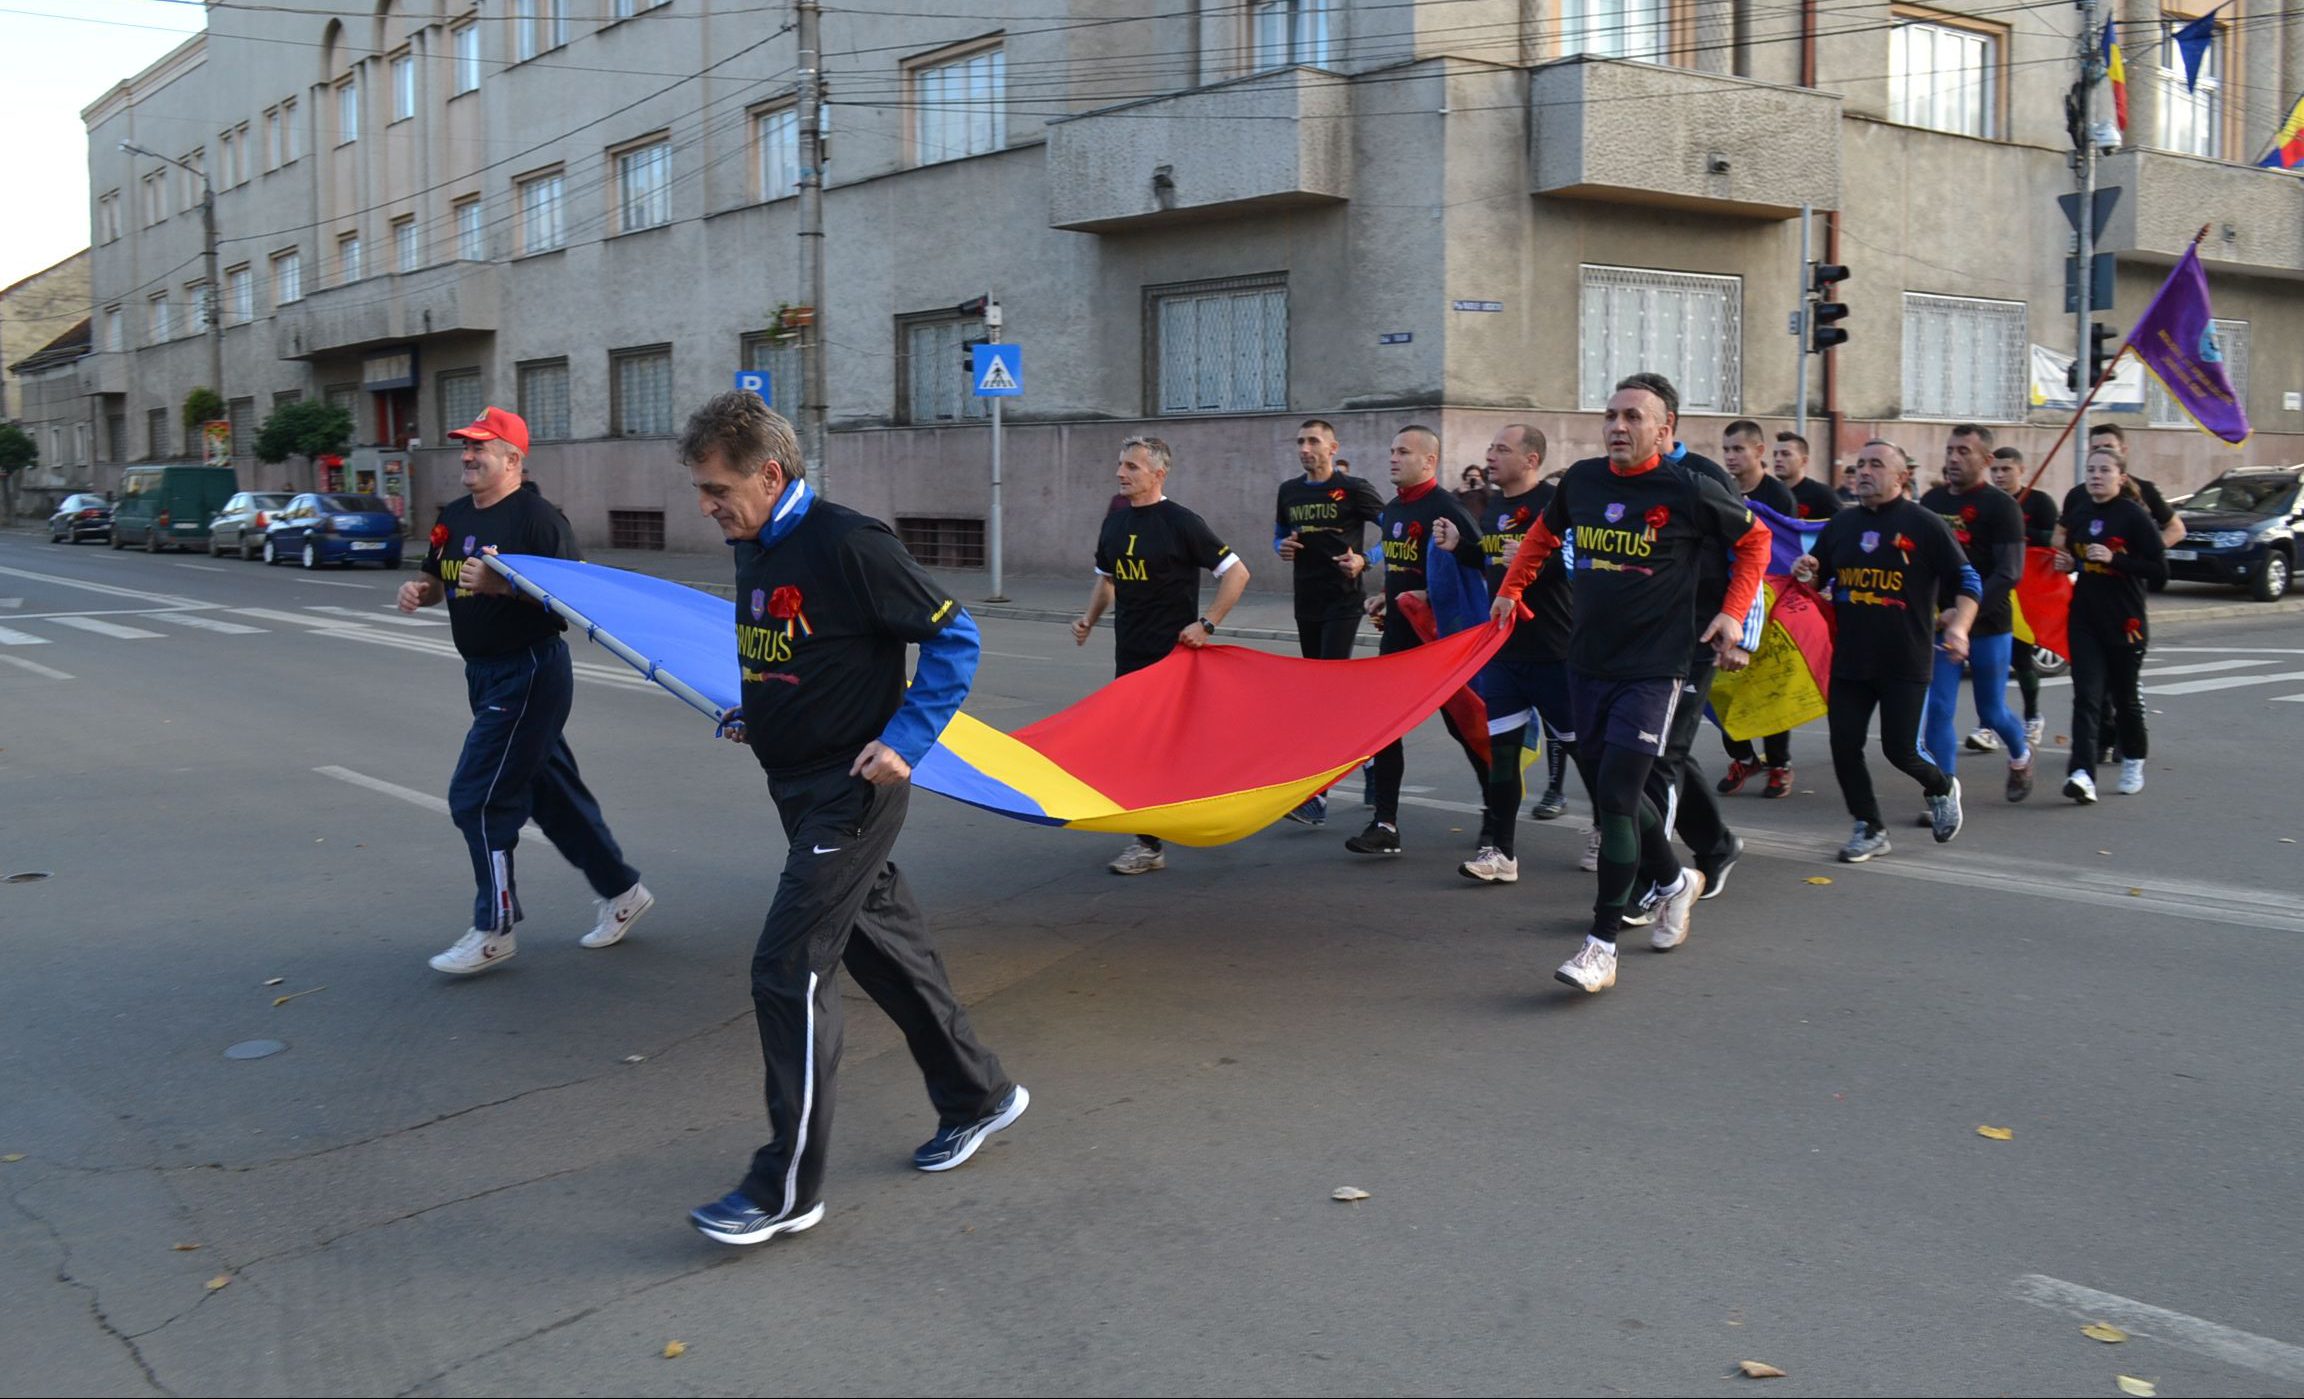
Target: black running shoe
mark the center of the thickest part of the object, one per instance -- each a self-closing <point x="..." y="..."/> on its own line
<point x="1549" y="806"/>
<point x="953" y="1145"/>
<point x="1378" y="839"/>
<point x="1716" y="869"/>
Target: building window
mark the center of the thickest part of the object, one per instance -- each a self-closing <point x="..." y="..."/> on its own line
<point x="461" y="401"/>
<point x="272" y="148"/>
<point x="242" y="416"/>
<point x="1965" y="358"/>
<point x="1942" y="77"/>
<point x="201" y="302"/>
<point x="934" y="381"/>
<point x="540" y="222"/>
<point x="1688" y="328"/>
<point x="625" y="9"/>
<point x="544" y="399"/>
<point x="635" y="529"/>
<point x="115" y="329"/>
<point x="346" y="397"/>
<point x="189" y="178"/>
<point x="155" y="433"/>
<point x="1636" y="29"/>
<point x="538" y="25"/>
<point x="2160" y="407"/>
<point x="108" y="218"/>
<point x="287" y="277"/>
<point x="464" y="56"/>
<point x="640" y="392"/>
<point x="1218" y="347"/>
<point x="959" y="107"/>
<point x="227" y="160"/>
<point x="348" y="111"/>
<point x="2191" y="123"/>
<point x="155" y="197"/>
<point x="776" y="143"/>
<point x="239" y="295"/>
<point x="116" y="437"/>
<point x="471" y="234"/>
<point x="403" y="86"/>
<point x="281" y="398"/>
<point x="161" y="323"/>
<point x="942" y="541"/>
<point x="780" y="357"/>
<point x="291" y="135"/>
<point x="407" y="248"/>
<point x="644" y="187"/>
<point x="347" y="258"/>
<point x="1282" y="33"/>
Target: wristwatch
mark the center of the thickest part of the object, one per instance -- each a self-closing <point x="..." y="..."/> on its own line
<point x="1207" y="626"/>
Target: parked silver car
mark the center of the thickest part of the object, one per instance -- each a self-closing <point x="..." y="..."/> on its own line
<point x="239" y="527"/>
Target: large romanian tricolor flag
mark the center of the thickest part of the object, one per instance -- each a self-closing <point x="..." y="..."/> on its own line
<point x="2287" y="151"/>
<point x="2116" y="72"/>
<point x="1206" y="747"/>
<point x="1790" y="677"/>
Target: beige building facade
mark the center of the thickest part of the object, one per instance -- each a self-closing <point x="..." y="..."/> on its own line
<point x="35" y="312"/>
<point x="1206" y="223"/>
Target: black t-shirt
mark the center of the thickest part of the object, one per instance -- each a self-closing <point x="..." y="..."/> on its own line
<point x="2039" y="517"/>
<point x="1814" y="500"/>
<point x="1889" y="572"/>
<point x="2155" y="504"/>
<point x="1775" y="495"/>
<point x="822" y="620"/>
<point x="1503" y="524"/>
<point x="1712" y="564"/>
<point x="1154" y="555"/>
<point x="1986" y="523"/>
<point x="1641" y="543"/>
<point x="2108" y="598"/>
<point x="1405" y="529"/>
<point x="523" y="522"/>
<point x="1328" y="518"/>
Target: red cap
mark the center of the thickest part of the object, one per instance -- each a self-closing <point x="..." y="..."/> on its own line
<point x="495" y="424"/>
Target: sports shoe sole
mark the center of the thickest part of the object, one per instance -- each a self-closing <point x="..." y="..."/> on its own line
<point x="488" y="966"/>
<point x="2079" y="794"/>
<point x="1717" y="880"/>
<point x="1565" y="979"/>
<point x="617" y="931"/>
<point x="1358" y="849"/>
<point x="1500" y="877"/>
<point x="1657" y="940"/>
<point x="1548" y="808"/>
<point x="983" y="1130"/>
<point x="798" y="1224"/>
<point x="1148" y="867"/>
<point x="1848" y="859"/>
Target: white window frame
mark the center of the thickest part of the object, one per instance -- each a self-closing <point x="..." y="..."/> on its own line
<point x="287" y="277"/>
<point x="403" y="74"/>
<point x="1686" y="326"/>
<point x="160" y="319"/>
<point x="625" y="9"/>
<point x="239" y="295"/>
<point x="1291" y="33"/>
<point x="959" y="104"/>
<point x="648" y="369"/>
<point x="350" y="265"/>
<point x="2191" y="123"/>
<point x="201" y="303"/>
<point x="1966" y="359"/>
<point x="543" y="212"/>
<point x="407" y="247"/>
<point x="108" y="217"/>
<point x="348" y="109"/>
<point x="272" y="143"/>
<point x="547" y="421"/>
<point x="776" y="151"/>
<point x="538" y="27"/>
<point x="780" y="356"/>
<point x="1217" y="346"/>
<point x="2160" y="406"/>
<point x="192" y="175"/>
<point x="934" y="383"/>
<point x="1640" y="30"/>
<point x="115" y="329"/>
<point x="1944" y="77"/>
<point x="644" y="185"/>
<point x="227" y="159"/>
<point x="155" y="186"/>
<point x="464" y="56"/>
<point x="471" y="229"/>
<point x="292" y="134"/>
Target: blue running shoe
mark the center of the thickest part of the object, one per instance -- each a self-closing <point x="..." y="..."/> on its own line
<point x="1312" y="812"/>
<point x="734" y="1219"/>
<point x="953" y="1145"/>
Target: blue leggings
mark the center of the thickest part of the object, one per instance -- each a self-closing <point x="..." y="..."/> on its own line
<point x="1988" y="671"/>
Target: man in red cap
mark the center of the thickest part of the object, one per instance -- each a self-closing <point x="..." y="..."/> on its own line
<point x="515" y="764"/>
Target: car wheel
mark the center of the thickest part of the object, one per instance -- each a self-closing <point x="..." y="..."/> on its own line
<point x="152" y="541"/>
<point x="2048" y="663"/>
<point x="271" y="555"/>
<point x="311" y="555"/>
<point x="2272" y="581"/>
<point x="117" y="541"/>
<point x="247" y="550"/>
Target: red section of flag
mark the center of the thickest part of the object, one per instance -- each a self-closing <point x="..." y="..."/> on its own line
<point x="2046" y="597"/>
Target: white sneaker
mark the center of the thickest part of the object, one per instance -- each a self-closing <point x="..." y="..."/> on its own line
<point x="617" y="916"/>
<point x="1491" y="866"/>
<point x="1644" y="907"/>
<point x="1672" y="922"/>
<point x="1592" y="969"/>
<point x="2131" y="777"/>
<point x="1138" y="858"/>
<point x="2034" y="727"/>
<point x="1591" y="862"/>
<point x="476" y="951"/>
<point x="2080" y="787"/>
<point x="1983" y="741"/>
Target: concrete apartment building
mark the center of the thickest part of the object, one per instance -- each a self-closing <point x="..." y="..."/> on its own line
<point x="1205" y="222"/>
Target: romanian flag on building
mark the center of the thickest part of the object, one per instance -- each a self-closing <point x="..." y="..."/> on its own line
<point x="2116" y="72"/>
<point x="2287" y="151"/>
<point x="1790" y="677"/>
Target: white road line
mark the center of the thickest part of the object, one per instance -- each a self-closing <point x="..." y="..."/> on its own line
<point x="2231" y="650"/>
<point x="2249" y="1351"/>
<point x="392" y="616"/>
<point x="10" y="637"/>
<point x="103" y="628"/>
<point x="436" y="805"/>
<point x="161" y="599"/>
<point x="2288" y="699"/>
<point x="1013" y="656"/>
<point x="266" y="614"/>
<point x="2228" y="682"/>
<point x="205" y="623"/>
<point x="602" y="675"/>
<point x="204" y="567"/>
<point x="2196" y="668"/>
<point x="35" y="667"/>
<point x="328" y="582"/>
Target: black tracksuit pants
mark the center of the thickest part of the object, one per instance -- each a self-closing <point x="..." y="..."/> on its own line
<point x="1849" y="715"/>
<point x="841" y="901"/>
<point x="2105" y="678"/>
<point x="1676" y="784"/>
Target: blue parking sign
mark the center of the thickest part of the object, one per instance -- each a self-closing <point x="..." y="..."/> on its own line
<point x="757" y="381"/>
<point x="999" y="371"/>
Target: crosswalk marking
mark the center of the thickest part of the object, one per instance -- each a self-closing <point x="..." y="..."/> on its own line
<point x="210" y="624"/>
<point x="11" y="637"/>
<point x="2226" y="682"/>
<point x="266" y="614"/>
<point x="103" y="628"/>
<point x="2195" y="668"/>
<point x="47" y="672"/>
<point x="2288" y="699"/>
<point x="391" y="615"/>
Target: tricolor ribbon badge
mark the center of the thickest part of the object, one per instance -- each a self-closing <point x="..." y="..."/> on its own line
<point x="784" y="606"/>
<point x="1904" y="546"/>
<point x="439" y="536"/>
<point x="1656" y="518"/>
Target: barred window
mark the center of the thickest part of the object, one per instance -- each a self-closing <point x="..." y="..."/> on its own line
<point x="242" y="416"/>
<point x="640" y="391"/>
<point x="155" y="433"/>
<point x="1965" y="358"/>
<point x="544" y="399"/>
<point x="644" y="187"/>
<point x="781" y="358"/>
<point x="1218" y="347"/>
<point x="2160" y="407"/>
<point x="960" y="108"/>
<point x="461" y="401"/>
<point x="1687" y="327"/>
<point x="635" y="529"/>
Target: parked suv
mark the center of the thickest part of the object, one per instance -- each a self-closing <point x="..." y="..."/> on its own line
<point x="240" y="526"/>
<point x="2242" y="529"/>
<point x="169" y="507"/>
<point x="84" y="515"/>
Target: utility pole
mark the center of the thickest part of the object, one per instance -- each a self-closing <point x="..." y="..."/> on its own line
<point x="213" y="291"/>
<point x="808" y="17"/>
<point x="1800" y="321"/>
<point x="2084" y="168"/>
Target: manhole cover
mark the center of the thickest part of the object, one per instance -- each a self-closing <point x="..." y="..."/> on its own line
<point x="254" y="1049"/>
<point x="28" y="877"/>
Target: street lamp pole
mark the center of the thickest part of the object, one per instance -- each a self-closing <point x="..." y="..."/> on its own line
<point x="214" y="289"/>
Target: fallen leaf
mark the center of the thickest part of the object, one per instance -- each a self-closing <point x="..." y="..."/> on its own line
<point x="673" y="1350"/>
<point x="283" y="1000"/>
<point x="2103" y="852"/>
<point x="219" y="1282"/>
<point x="1998" y="1134"/>
<point x="12" y="1158"/>
<point x="2135" y="893"/>
<point x="1348" y="1193"/>
<point x="2104" y="1331"/>
<point x="635" y="1058"/>
<point x="1818" y="879"/>
<point x="1759" y="1370"/>
<point x="274" y="980"/>
<point x="2142" y="1389"/>
<point x="186" y="1248"/>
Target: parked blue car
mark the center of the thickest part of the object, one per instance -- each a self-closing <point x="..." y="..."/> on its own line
<point x="316" y="530"/>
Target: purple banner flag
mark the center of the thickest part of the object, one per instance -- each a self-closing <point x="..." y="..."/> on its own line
<point x="2176" y="339"/>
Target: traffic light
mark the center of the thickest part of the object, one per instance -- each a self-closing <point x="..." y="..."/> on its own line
<point x="974" y="306"/>
<point x="2101" y="350"/>
<point x="968" y="355"/>
<point x="1823" y="332"/>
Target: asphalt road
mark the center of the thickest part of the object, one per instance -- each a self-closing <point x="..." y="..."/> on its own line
<point x="1763" y="1147"/>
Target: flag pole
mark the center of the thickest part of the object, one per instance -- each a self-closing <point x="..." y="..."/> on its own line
<point x="2080" y="414"/>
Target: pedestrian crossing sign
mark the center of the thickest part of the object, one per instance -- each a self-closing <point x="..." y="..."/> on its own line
<point x="999" y="371"/>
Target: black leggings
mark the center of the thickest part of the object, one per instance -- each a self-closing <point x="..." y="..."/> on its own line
<point x="2024" y="665"/>
<point x="1391" y="764"/>
<point x="1850" y="718"/>
<point x="1778" y="747"/>
<point x="1632" y="834"/>
<point x="1329" y="637"/>
<point x="2104" y="676"/>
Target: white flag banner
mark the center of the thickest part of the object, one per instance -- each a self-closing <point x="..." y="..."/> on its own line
<point x="2125" y="394"/>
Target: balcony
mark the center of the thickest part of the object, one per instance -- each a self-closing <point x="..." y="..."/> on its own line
<point x="398" y="307"/>
<point x="1634" y="133"/>
<point x="103" y="372"/>
<point x="1273" y="141"/>
<point x="2255" y="217"/>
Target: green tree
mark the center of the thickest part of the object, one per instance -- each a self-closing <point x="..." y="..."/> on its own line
<point x="202" y="406"/>
<point x="305" y="428"/>
<point x="17" y="449"/>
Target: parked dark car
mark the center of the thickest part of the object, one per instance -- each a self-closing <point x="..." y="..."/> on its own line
<point x="2242" y="529"/>
<point x="316" y="530"/>
<point x="169" y="506"/>
<point x="85" y="515"/>
<point x="240" y="527"/>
